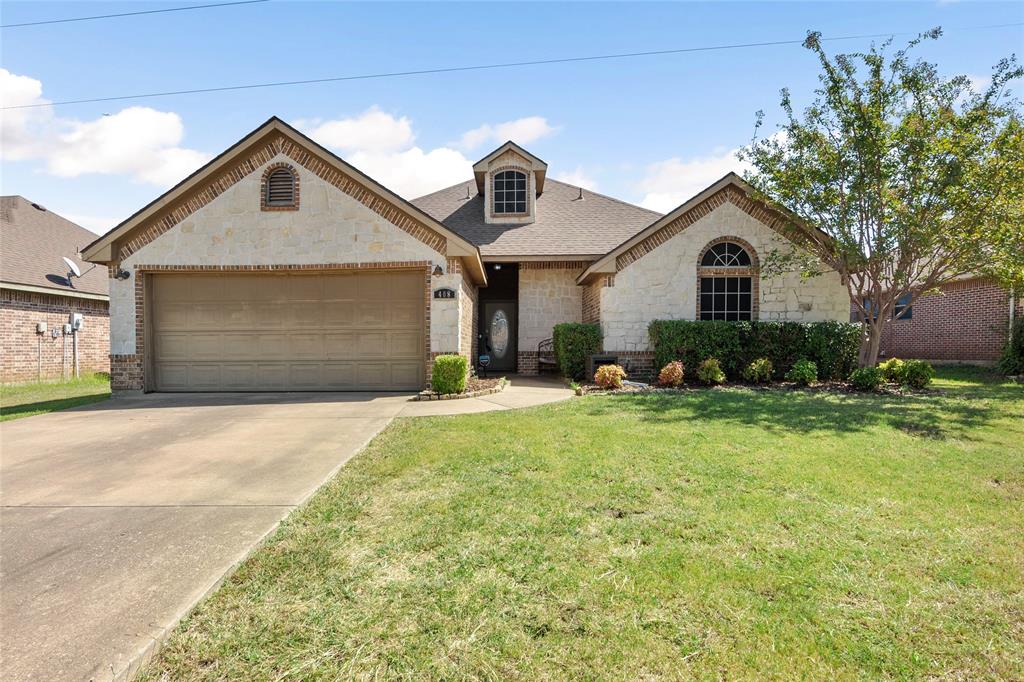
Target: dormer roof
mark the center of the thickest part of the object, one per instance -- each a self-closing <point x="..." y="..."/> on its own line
<point x="530" y="162"/>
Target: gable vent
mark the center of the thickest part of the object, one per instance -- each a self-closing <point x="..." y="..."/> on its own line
<point x="281" y="188"/>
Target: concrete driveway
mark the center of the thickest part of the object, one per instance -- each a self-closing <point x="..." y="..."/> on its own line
<point x="118" y="517"/>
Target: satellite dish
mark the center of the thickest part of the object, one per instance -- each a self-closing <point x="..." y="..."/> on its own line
<point x="72" y="266"/>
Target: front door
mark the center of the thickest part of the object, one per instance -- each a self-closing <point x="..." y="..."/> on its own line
<point x="499" y="335"/>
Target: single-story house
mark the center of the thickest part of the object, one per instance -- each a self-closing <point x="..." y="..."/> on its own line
<point x="37" y="297"/>
<point x="279" y="266"/>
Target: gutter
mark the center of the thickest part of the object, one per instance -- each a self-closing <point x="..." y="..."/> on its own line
<point x="70" y="293"/>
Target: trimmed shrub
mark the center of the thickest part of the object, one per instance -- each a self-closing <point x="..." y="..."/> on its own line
<point x="759" y="371"/>
<point x="1012" y="361"/>
<point x="894" y="370"/>
<point x="671" y="375"/>
<point x="449" y="374"/>
<point x="917" y="373"/>
<point x="831" y="346"/>
<point x="804" y="372"/>
<point x="609" y="376"/>
<point x="574" y="343"/>
<point x="866" y="378"/>
<point x="710" y="372"/>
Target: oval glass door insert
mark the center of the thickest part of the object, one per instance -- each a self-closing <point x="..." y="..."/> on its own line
<point x="499" y="334"/>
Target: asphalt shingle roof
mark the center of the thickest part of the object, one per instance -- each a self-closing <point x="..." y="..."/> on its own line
<point x="32" y="241"/>
<point x="566" y="225"/>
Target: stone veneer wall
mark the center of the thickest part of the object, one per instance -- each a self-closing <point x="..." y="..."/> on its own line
<point x="26" y="355"/>
<point x="548" y="295"/>
<point x="232" y="230"/>
<point x="662" y="283"/>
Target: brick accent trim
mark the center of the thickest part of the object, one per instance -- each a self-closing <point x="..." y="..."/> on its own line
<point x="592" y="298"/>
<point x="132" y="368"/>
<point x="756" y="209"/>
<point x="580" y="265"/>
<point x="753" y="272"/>
<point x="294" y="206"/>
<point x="259" y="154"/>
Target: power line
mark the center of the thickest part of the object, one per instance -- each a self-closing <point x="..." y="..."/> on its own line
<point x="477" y="67"/>
<point x="131" y="14"/>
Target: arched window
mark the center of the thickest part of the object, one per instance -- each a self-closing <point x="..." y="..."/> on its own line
<point x="280" y="189"/>
<point x="726" y="255"/>
<point x="509" y="192"/>
<point x="727" y="279"/>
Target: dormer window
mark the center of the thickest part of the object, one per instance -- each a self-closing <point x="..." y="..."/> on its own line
<point x="510" y="192"/>
<point x="279" y="190"/>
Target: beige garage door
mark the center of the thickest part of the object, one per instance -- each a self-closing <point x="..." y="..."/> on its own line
<point x="288" y="332"/>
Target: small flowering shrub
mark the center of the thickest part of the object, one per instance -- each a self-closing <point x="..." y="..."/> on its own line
<point x="917" y="373"/>
<point x="866" y="378"/>
<point x="671" y="374"/>
<point x="759" y="371"/>
<point x="710" y="372"/>
<point x="803" y="372"/>
<point x="894" y="370"/>
<point x="609" y="376"/>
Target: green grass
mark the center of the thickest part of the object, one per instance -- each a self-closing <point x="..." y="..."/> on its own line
<point x="26" y="400"/>
<point x="716" y="534"/>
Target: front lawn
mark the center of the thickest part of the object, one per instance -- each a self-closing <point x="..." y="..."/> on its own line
<point x="26" y="400"/>
<point x="713" y="534"/>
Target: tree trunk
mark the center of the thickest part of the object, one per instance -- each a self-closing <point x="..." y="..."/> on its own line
<point x="870" y="343"/>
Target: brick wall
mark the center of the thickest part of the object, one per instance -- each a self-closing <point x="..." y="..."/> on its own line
<point x="22" y="350"/>
<point x="966" y="321"/>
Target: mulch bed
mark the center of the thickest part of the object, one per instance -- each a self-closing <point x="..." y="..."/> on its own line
<point x="475" y="387"/>
<point x="820" y="387"/>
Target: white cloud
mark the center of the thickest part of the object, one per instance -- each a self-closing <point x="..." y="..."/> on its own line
<point x="139" y="142"/>
<point x="373" y="130"/>
<point x="381" y="145"/>
<point x="521" y="131"/>
<point x="579" y="178"/>
<point x="670" y="182"/>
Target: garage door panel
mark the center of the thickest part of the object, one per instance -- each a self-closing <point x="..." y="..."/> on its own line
<point x="252" y="332"/>
<point x="405" y="345"/>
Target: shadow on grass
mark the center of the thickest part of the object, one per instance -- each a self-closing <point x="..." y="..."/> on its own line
<point x="45" y="406"/>
<point x="935" y="414"/>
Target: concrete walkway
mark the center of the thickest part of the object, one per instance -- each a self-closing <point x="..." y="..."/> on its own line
<point x="118" y="517"/>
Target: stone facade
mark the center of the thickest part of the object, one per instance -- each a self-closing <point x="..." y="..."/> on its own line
<point x="548" y="295"/>
<point x="231" y="231"/>
<point x="26" y="355"/>
<point x="661" y="282"/>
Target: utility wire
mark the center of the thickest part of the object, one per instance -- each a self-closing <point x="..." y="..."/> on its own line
<point x="477" y="67"/>
<point x="130" y="14"/>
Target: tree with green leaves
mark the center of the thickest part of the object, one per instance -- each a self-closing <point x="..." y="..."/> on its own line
<point x="898" y="179"/>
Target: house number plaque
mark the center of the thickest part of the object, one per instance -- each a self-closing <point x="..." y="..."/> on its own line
<point x="444" y="293"/>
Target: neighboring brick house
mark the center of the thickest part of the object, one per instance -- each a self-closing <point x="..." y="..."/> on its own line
<point x="34" y="290"/>
<point x="280" y="266"/>
<point x="964" y="321"/>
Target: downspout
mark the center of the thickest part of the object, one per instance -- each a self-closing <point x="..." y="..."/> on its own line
<point x="1013" y="309"/>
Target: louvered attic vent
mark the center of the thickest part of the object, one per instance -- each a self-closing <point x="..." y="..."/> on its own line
<point x="281" y="188"/>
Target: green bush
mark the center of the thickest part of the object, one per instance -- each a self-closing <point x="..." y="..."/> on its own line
<point x="449" y="374"/>
<point x="866" y="378"/>
<point x="917" y="373"/>
<point x="804" y="372"/>
<point x="759" y="371"/>
<point x="1012" y="361"/>
<point x="671" y="375"/>
<point x="710" y="371"/>
<point x="894" y="370"/>
<point x="574" y="343"/>
<point x="831" y="346"/>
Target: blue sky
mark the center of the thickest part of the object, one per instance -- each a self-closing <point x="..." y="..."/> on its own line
<point x="650" y="130"/>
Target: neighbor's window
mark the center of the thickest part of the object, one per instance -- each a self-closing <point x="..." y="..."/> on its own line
<point x="281" y="188"/>
<point x="726" y="280"/>
<point x="510" y="192"/>
<point x="901" y="311"/>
